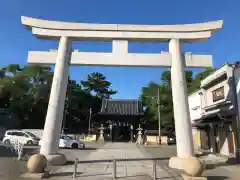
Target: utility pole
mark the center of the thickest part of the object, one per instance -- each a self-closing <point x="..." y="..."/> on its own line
<point x="64" y="116"/>
<point x="159" y="116"/>
<point x="89" y="121"/>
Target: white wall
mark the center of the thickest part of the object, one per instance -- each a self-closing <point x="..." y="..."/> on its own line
<point x="237" y="82"/>
<point x="195" y="109"/>
<point x="216" y="74"/>
<point x="208" y="93"/>
<point x="208" y="98"/>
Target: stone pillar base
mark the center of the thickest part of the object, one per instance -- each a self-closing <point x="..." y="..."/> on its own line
<point x="56" y="159"/>
<point x="175" y="162"/>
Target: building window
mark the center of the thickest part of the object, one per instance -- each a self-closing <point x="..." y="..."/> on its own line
<point x="218" y="94"/>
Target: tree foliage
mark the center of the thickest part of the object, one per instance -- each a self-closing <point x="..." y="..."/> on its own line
<point x="149" y="96"/>
<point x="197" y="80"/>
<point x="24" y="92"/>
<point x="97" y="83"/>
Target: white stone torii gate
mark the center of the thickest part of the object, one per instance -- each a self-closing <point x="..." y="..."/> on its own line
<point x="119" y="34"/>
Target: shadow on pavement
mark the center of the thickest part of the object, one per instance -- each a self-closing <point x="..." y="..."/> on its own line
<point x="59" y="174"/>
<point x="229" y="162"/>
<point x="88" y="148"/>
<point x="217" y="177"/>
<point x="6" y="152"/>
<point x="138" y="177"/>
<point x="69" y="163"/>
<point x="81" y="149"/>
<point x="96" y="174"/>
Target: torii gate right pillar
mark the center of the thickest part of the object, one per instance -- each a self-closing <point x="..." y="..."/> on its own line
<point x="180" y="105"/>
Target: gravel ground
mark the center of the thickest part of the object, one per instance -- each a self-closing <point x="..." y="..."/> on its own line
<point x="119" y="150"/>
<point x="11" y="168"/>
<point x="215" y="171"/>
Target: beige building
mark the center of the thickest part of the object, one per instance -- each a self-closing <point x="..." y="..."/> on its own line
<point x="195" y="109"/>
<point x="214" y="111"/>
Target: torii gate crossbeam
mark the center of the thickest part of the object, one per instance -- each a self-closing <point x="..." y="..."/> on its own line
<point x="128" y="59"/>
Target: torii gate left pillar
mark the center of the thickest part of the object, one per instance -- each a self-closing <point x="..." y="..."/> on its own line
<point x="120" y="35"/>
<point x="56" y="103"/>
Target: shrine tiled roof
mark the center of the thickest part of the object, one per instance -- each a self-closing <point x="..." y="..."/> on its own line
<point x="126" y="107"/>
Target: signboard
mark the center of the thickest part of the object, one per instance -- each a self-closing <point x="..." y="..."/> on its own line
<point x="218" y="94"/>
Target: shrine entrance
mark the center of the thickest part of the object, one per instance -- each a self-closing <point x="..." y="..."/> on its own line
<point x="121" y="134"/>
<point x="120" y="119"/>
<point x="120" y="35"/>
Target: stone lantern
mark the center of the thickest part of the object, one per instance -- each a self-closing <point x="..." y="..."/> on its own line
<point x="101" y="138"/>
<point x="139" y="138"/>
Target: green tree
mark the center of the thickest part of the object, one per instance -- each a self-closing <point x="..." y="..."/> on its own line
<point x="149" y="96"/>
<point x="77" y="105"/>
<point x="150" y="99"/>
<point x="166" y="78"/>
<point x="97" y="83"/>
<point x="24" y="93"/>
<point x="196" y="82"/>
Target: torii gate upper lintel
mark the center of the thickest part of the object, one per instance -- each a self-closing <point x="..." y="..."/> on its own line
<point x="120" y="34"/>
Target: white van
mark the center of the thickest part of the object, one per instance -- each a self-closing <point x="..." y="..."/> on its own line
<point x="20" y="136"/>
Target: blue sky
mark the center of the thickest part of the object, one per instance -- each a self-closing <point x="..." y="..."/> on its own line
<point x="16" y="41"/>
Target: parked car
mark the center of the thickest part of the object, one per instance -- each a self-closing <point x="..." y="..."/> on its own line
<point x="68" y="142"/>
<point x="20" y="136"/>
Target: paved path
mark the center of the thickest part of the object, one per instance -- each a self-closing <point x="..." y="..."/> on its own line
<point x="125" y="170"/>
<point x="11" y="168"/>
